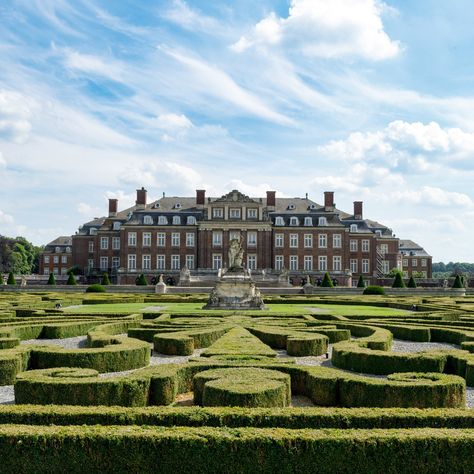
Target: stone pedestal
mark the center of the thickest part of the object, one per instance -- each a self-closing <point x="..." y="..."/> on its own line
<point x="160" y="287"/>
<point x="235" y="290"/>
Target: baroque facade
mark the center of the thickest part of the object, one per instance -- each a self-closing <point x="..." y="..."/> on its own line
<point x="294" y="236"/>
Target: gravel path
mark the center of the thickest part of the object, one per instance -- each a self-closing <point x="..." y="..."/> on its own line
<point x="7" y="395"/>
<point x="410" y="346"/>
<point x="78" y="342"/>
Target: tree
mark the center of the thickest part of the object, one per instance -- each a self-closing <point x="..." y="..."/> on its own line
<point x="457" y="282"/>
<point x="398" y="282"/>
<point x="11" y="279"/>
<point x="141" y="280"/>
<point x="361" y="282"/>
<point x="105" y="279"/>
<point x="51" y="279"/>
<point x="327" y="282"/>
<point x="18" y="255"/>
<point x="411" y="282"/>
<point x="71" y="279"/>
<point x="2" y="281"/>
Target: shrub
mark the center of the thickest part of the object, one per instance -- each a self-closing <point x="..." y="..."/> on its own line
<point x="95" y="289"/>
<point x="327" y="282"/>
<point x="398" y="282"/>
<point x="457" y="282"/>
<point x="51" y="279"/>
<point x="71" y="279"/>
<point x="2" y="281"/>
<point x="105" y="279"/>
<point x="141" y="280"/>
<point x="411" y="282"/>
<point x="374" y="290"/>
<point x="361" y="282"/>
<point x="11" y="279"/>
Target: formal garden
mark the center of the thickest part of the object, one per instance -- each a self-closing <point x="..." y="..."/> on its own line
<point x="310" y="384"/>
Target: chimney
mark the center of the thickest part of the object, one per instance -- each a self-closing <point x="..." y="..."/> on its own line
<point x="328" y="201"/>
<point x="358" y="209"/>
<point x="113" y="203"/>
<point x="271" y="201"/>
<point x="141" y="198"/>
<point x="200" y="197"/>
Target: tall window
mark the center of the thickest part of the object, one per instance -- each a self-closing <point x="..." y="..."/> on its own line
<point x="146" y="239"/>
<point x="365" y="245"/>
<point x="216" y="261"/>
<point x="294" y="241"/>
<point x="64" y="259"/>
<point x="337" y="241"/>
<point x="336" y="263"/>
<point x="132" y="239"/>
<point x="405" y="262"/>
<point x="190" y="261"/>
<point x="365" y="265"/>
<point x="104" y="243"/>
<point x="308" y="241"/>
<point x="132" y="262"/>
<point x="104" y="263"/>
<point x="90" y="263"/>
<point x="56" y="259"/>
<point x="251" y="239"/>
<point x="322" y="263"/>
<point x="353" y="245"/>
<point x="175" y="239"/>
<point x="386" y="267"/>
<point x="278" y="262"/>
<point x="115" y="263"/>
<point x="160" y="239"/>
<point x="308" y="262"/>
<point x="251" y="262"/>
<point x="91" y="246"/>
<point x="423" y="262"/>
<point x="323" y="241"/>
<point x="414" y="262"/>
<point x="160" y="262"/>
<point x="116" y="243"/>
<point x="279" y="240"/>
<point x="353" y="265"/>
<point x="175" y="262"/>
<point x="293" y="262"/>
<point x="46" y="259"/>
<point x="384" y="248"/>
<point x="189" y="239"/>
<point x="146" y="262"/>
<point x="217" y="239"/>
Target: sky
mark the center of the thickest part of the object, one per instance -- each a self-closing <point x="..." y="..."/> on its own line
<point x="372" y="100"/>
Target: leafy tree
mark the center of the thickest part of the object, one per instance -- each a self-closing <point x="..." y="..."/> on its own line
<point x="398" y="282"/>
<point x="71" y="279"/>
<point x="411" y="282"/>
<point x="11" y="279"/>
<point x="105" y="279"/>
<point x="327" y="282"/>
<point x="361" y="282"/>
<point x="51" y="279"/>
<point x="18" y="255"/>
<point x="141" y="280"/>
<point x="458" y="282"/>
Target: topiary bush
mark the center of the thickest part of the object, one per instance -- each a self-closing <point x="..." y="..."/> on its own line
<point x="361" y="282"/>
<point x="458" y="282"/>
<point x="411" y="283"/>
<point x="141" y="280"/>
<point x="327" y="282"/>
<point x="71" y="279"/>
<point x="398" y="282"/>
<point x="96" y="288"/>
<point x="11" y="279"/>
<point x="374" y="290"/>
<point x="105" y="279"/>
<point x="51" y="279"/>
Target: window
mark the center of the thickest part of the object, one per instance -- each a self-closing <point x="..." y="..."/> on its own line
<point x="189" y="239"/>
<point x="90" y="263"/>
<point x="46" y="259"/>
<point x="293" y="262"/>
<point x="405" y="262"/>
<point x="365" y="265"/>
<point x="291" y="207"/>
<point x="217" y="239"/>
<point x="336" y="263"/>
<point x="116" y="243"/>
<point x="191" y="220"/>
<point x="308" y="241"/>
<point x="294" y="221"/>
<point x="216" y="261"/>
<point x="68" y="249"/>
<point x="323" y="241"/>
<point x="146" y="262"/>
<point x="55" y="259"/>
<point x="132" y="262"/>
<point x="386" y="267"/>
<point x="64" y="259"/>
<point x="353" y="245"/>
<point x="162" y="220"/>
<point x="337" y="241"/>
<point x="278" y="262"/>
<point x="160" y="239"/>
<point x="176" y="220"/>
<point x="178" y="205"/>
<point x="365" y="245"/>
<point x="251" y="262"/>
<point x="46" y="271"/>
<point x="160" y="262"/>
<point x="322" y="263"/>
<point x="55" y="270"/>
<point x="308" y="263"/>
<point x="217" y="213"/>
<point x="175" y="262"/>
<point x="353" y="265"/>
<point x="322" y="221"/>
<point x="91" y="246"/>
<point x="175" y="238"/>
<point x="378" y="233"/>
<point x="146" y="239"/>
<point x="92" y="231"/>
<point x="294" y="241"/>
<point x="116" y="226"/>
<point x="147" y="220"/>
<point x="190" y="262"/>
<point x="132" y="239"/>
<point x="104" y="263"/>
<point x="115" y="263"/>
<point x="251" y="213"/>
<point x="234" y="213"/>
<point x="251" y="239"/>
<point x="423" y="262"/>
<point x="63" y="271"/>
<point x="57" y="249"/>
<point x="279" y="221"/>
<point x="308" y="221"/>
<point x="279" y="240"/>
<point x="353" y="227"/>
<point x="414" y="262"/>
<point x="383" y="248"/>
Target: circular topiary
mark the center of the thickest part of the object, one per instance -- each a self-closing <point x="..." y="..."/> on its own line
<point x="374" y="290"/>
<point x="96" y="288"/>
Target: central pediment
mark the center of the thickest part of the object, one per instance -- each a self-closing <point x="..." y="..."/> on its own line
<point x="235" y="196"/>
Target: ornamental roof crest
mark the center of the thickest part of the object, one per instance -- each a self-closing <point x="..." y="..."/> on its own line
<point x="235" y="196"/>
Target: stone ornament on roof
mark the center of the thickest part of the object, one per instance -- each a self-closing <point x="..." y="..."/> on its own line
<point x="235" y="196"/>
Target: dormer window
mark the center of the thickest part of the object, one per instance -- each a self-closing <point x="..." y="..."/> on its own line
<point x="191" y="220"/>
<point x="378" y="233"/>
<point x="353" y="227"/>
<point x="57" y="250"/>
<point x="308" y="221"/>
<point x="176" y="220"/>
<point x="177" y="205"/>
<point x="116" y="226"/>
<point x="156" y="205"/>
<point x="162" y="220"/>
<point x="312" y="207"/>
<point x="322" y="221"/>
<point x="68" y="249"/>
<point x="279" y="221"/>
<point x="148" y="220"/>
<point x="92" y="231"/>
<point x="291" y="207"/>
<point x="294" y="221"/>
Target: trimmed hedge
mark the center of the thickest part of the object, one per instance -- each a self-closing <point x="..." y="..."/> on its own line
<point x="374" y="290"/>
<point x="96" y="288"/>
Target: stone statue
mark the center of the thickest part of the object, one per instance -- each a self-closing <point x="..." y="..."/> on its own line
<point x="236" y="254"/>
<point x="23" y="281"/>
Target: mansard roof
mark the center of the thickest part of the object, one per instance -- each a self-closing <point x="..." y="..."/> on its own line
<point x="410" y="248"/>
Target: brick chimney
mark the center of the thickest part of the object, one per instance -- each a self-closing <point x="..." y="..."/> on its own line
<point x="329" y="200"/>
<point x="113" y="204"/>
<point x="200" y="197"/>
<point x="271" y="200"/>
<point x="141" y="198"/>
<point x="358" y="206"/>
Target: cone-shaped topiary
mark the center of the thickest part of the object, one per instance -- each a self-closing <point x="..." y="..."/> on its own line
<point x="411" y="282"/>
<point x="51" y="279"/>
<point x="71" y="279"/>
<point x="457" y="282"/>
<point x="327" y="282"/>
<point x="141" y="280"/>
<point x="11" y="279"/>
<point x="361" y="283"/>
<point x="105" y="279"/>
<point x="398" y="282"/>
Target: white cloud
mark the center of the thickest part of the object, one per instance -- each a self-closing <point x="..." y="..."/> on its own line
<point x="181" y="14"/>
<point x="434" y="196"/>
<point x="327" y="29"/>
<point x="92" y="64"/>
<point x="15" y="115"/>
<point x="88" y="211"/>
<point x="5" y="218"/>
<point x="173" y="122"/>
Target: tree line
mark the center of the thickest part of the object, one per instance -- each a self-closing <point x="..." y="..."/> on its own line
<point x="453" y="268"/>
<point x="18" y="255"/>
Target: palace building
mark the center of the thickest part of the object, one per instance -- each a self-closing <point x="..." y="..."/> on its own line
<point x="296" y="237"/>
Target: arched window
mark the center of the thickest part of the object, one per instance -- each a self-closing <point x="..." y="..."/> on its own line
<point x="308" y="221"/>
<point x="322" y="221"/>
<point x="57" y="250"/>
<point x="176" y="220"/>
<point x="148" y="220"/>
<point x="294" y="221"/>
<point x="353" y="227"/>
<point x="191" y="220"/>
<point x="68" y="249"/>
<point x="162" y="220"/>
<point x="279" y="221"/>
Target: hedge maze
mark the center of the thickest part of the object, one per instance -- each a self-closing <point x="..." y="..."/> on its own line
<point x="294" y="390"/>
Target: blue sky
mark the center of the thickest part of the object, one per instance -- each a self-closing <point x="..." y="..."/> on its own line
<point x="372" y="100"/>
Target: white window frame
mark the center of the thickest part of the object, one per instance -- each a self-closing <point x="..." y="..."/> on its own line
<point x="308" y="241"/>
<point x="148" y="220"/>
<point x="161" y="262"/>
<point x="175" y="262"/>
<point x="217" y="213"/>
<point x="337" y="263"/>
<point x="294" y="263"/>
<point x="132" y="239"/>
<point x="131" y="262"/>
<point x="251" y="238"/>
<point x="115" y="263"/>
<point x="104" y="263"/>
<point x="279" y="262"/>
<point x="365" y="265"/>
<point x="146" y="239"/>
<point x="63" y="258"/>
<point x="217" y="238"/>
<point x="322" y="222"/>
<point x="365" y="244"/>
<point x="414" y="262"/>
<point x="175" y="239"/>
<point x="308" y="221"/>
<point x="353" y="228"/>
<point x="46" y="259"/>
<point x="104" y="243"/>
<point x="279" y="221"/>
<point x="146" y="262"/>
<point x="191" y="220"/>
<point x="322" y="241"/>
<point x="353" y="265"/>
<point x="337" y="241"/>
<point x="216" y="261"/>
<point x="308" y="263"/>
<point x="235" y="213"/>
<point x="294" y="221"/>
<point x="161" y="239"/>
<point x="115" y="243"/>
<point x="190" y="239"/>
<point x="190" y="262"/>
<point x="252" y="213"/>
<point x="322" y="263"/>
<point x="279" y="240"/>
<point x="424" y="262"/>
<point x="176" y="220"/>
<point x="251" y="261"/>
<point x="162" y="220"/>
<point x="353" y="245"/>
<point x="91" y="246"/>
<point x="55" y="259"/>
<point x="293" y="241"/>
